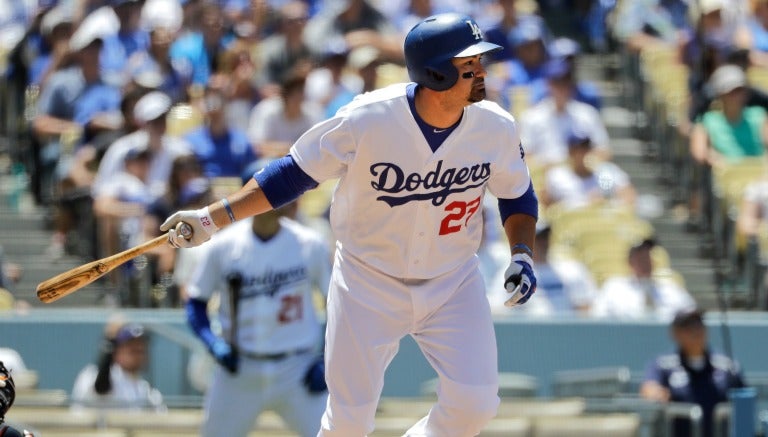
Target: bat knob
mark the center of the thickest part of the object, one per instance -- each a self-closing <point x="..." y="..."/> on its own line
<point x="184" y="230"/>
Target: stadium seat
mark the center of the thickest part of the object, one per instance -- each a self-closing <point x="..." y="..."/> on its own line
<point x="183" y="118"/>
<point x="54" y="432"/>
<point x="589" y="383"/>
<point x="508" y="427"/>
<point x="607" y="425"/>
<point x="511" y="385"/>
<point x="61" y="418"/>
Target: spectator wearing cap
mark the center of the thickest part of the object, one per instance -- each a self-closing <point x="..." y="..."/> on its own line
<point x="57" y="109"/>
<point x="529" y="41"/>
<point x="643" y="292"/>
<point x="580" y="182"/>
<point x="732" y="131"/>
<point x="362" y="65"/>
<point x="330" y="78"/>
<point x="512" y="22"/>
<point x="546" y="126"/>
<point x="150" y="113"/>
<point x="358" y="23"/>
<point x="129" y="39"/>
<point x="53" y="53"/>
<point x="584" y="91"/>
<point x="196" y="53"/>
<point x="222" y="150"/>
<point x="116" y="380"/>
<point x="152" y="68"/>
<point x="279" y="121"/>
<point x="693" y="373"/>
<point x="646" y="24"/>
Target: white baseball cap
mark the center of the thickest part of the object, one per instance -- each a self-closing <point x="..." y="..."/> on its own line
<point x="162" y="14"/>
<point x="709" y="6"/>
<point x="151" y="107"/>
<point x="54" y="17"/>
<point x="85" y="35"/>
<point x="726" y="79"/>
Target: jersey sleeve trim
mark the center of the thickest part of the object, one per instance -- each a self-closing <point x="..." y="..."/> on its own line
<point x="528" y="204"/>
<point x="283" y="181"/>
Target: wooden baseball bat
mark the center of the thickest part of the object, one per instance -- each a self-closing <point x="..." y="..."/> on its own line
<point x="72" y="280"/>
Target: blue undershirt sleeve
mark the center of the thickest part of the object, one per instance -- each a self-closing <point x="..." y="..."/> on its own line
<point x="197" y="318"/>
<point x="528" y="203"/>
<point x="283" y="181"/>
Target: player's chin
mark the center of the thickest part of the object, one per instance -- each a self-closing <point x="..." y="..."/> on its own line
<point x="477" y="94"/>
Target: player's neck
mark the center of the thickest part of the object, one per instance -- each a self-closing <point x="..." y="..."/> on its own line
<point x="266" y="231"/>
<point x="435" y="110"/>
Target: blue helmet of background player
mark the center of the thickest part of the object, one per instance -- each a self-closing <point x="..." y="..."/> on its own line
<point x="431" y="44"/>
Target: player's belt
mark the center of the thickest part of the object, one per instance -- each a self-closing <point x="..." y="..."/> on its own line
<point x="274" y="357"/>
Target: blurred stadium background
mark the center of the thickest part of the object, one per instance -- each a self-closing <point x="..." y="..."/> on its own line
<point x="562" y="374"/>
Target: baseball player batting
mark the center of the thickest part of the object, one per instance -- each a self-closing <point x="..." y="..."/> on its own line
<point x="265" y="269"/>
<point x="413" y="161"/>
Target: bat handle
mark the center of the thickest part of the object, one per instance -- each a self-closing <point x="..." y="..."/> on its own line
<point x="184" y="230"/>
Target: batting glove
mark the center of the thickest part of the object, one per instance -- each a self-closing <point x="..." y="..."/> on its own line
<point x="199" y="220"/>
<point x="520" y="280"/>
<point x="314" y="379"/>
<point x="225" y="355"/>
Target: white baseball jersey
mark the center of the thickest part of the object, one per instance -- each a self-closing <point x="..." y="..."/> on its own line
<point x="407" y="211"/>
<point x="276" y="312"/>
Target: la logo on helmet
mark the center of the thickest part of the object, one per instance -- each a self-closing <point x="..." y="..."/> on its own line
<point x="475" y="29"/>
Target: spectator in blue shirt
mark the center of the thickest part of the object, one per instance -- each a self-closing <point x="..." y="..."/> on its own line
<point x="507" y="25"/>
<point x="162" y="19"/>
<point x="692" y="374"/>
<point x="196" y="54"/>
<point x="129" y="39"/>
<point x="220" y="149"/>
<point x="563" y="53"/>
<point x="55" y="30"/>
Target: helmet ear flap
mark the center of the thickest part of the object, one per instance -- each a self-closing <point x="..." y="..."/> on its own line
<point x="440" y="76"/>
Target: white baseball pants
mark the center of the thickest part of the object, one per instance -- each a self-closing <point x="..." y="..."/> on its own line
<point x="233" y="402"/>
<point x="450" y="319"/>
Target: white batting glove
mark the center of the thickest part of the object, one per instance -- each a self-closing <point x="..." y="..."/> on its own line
<point x="519" y="280"/>
<point x="200" y="222"/>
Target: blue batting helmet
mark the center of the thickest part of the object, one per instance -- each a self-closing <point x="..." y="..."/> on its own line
<point x="432" y="43"/>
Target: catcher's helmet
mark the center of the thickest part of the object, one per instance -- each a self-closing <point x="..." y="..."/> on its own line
<point x="7" y="391"/>
<point x="431" y="44"/>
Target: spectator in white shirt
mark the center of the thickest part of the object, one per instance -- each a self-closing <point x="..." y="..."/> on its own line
<point x="641" y="293"/>
<point x="545" y="127"/>
<point x="583" y="182"/>
<point x="116" y="380"/>
<point x="279" y="121"/>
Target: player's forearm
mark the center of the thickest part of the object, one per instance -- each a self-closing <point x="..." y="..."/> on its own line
<point x="248" y="201"/>
<point x="520" y="229"/>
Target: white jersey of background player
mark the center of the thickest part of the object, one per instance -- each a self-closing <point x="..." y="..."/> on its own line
<point x="413" y="162"/>
<point x="277" y="333"/>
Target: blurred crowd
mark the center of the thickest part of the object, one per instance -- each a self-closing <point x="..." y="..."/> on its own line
<point x="132" y="109"/>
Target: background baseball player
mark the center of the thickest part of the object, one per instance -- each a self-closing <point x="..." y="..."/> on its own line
<point x="7" y="396"/>
<point x="413" y="162"/>
<point x="265" y="270"/>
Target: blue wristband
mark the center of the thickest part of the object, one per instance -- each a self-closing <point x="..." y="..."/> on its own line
<point x="523" y="247"/>
<point x="228" y="208"/>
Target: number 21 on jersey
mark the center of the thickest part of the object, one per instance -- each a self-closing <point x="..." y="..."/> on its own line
<point x="291" y="309"/>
